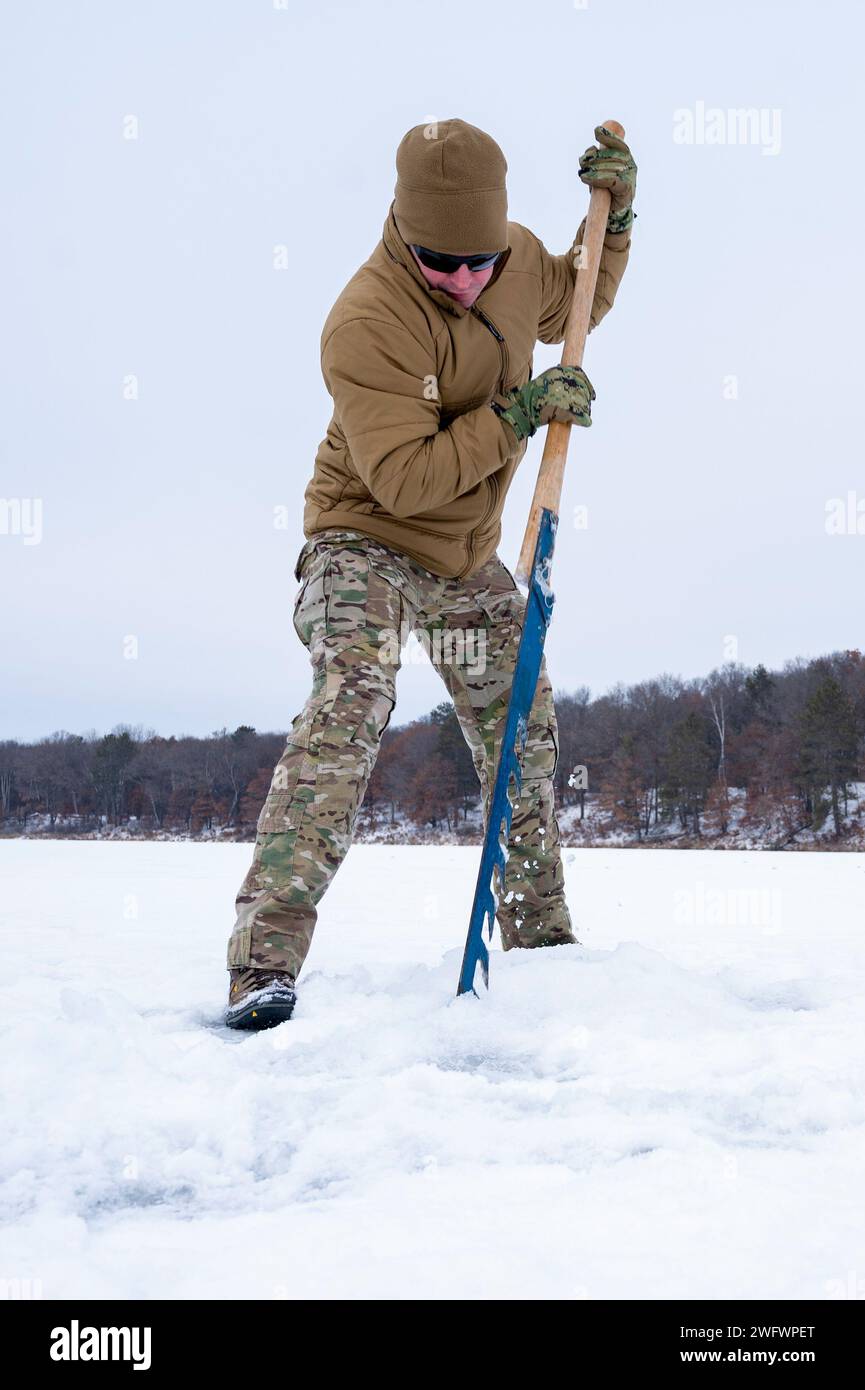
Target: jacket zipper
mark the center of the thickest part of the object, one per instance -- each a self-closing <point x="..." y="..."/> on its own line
<point x="499" y="337"/>
<point x="494" y="487"/>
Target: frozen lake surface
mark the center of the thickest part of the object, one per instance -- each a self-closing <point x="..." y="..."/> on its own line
<point x="675" y="1108"/>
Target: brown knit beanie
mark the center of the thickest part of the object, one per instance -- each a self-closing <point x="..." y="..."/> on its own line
<point x="450" y="189"/>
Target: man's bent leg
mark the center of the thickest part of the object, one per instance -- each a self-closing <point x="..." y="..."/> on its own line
<point x="307" y="822"/>
<point x="532" y="910"/>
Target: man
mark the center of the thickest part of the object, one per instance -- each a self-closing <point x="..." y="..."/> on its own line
<point x="427" y="355"/>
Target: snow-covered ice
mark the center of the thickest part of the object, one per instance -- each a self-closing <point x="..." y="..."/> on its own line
<point x="674" y="1108"/>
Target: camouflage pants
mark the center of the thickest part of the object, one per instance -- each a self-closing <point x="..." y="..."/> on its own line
<point x="357" y="603"/>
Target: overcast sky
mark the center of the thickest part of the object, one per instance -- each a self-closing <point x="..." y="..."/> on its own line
<point x="142" y="579"/>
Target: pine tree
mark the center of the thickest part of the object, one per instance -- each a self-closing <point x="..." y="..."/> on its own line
<point x="760" y="689"/>
<point x="110" y="771"/>
<point x="451" y="746"/>
<point x="690" y="767"/>
<point x="827" y="746"/>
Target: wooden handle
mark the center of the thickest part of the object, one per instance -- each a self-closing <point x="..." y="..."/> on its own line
<point x="548" y="489"/>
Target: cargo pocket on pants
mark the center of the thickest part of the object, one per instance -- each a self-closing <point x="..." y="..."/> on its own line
<point x="310" y="605"/>
<point x="554" y="739"/>
<point x="541" y="756"/>
<point x="287" y="804"/>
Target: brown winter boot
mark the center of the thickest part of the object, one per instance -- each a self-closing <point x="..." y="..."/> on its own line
<point x="259" y="998"/>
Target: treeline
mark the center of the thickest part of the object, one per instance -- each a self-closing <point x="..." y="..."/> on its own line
<point x="186" y="784"/>
<point x="669" y="752"/>
<point x="787" y="744"/>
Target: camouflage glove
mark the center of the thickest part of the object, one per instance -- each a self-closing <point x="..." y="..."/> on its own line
<point x="560" y="393"/>
<point x="612" y="166"/>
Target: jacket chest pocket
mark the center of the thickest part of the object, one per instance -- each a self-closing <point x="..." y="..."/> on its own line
<point x="518" y="376"/>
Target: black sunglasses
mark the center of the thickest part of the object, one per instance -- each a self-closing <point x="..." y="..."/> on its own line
<point x="448" y="265"/>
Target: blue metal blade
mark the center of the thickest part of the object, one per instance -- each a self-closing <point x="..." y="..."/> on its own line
<point x="539" y="610"/>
